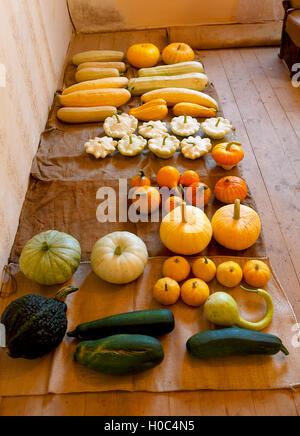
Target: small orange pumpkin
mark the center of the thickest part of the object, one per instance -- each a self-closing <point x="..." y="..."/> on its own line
<point x="194" y="292"/>
<point x="204" y="269"/>
<point x="198" y="194"/>
<point x="228" y="154"/>
<point x="229" y="274"/>
<point x="228" y="189"/>
<point x="178" y="52"/>
<point x="189" y="177"/>
<point x="143" y="55"/>
<point x="166" y="291"/>
<point x="140" y="180"/>
<point x="256" y="273"/>
<point x="168" y="176"/>
<point x="177" y="268"/>
<point x="172" y="202"/>
<point x="149" y="199"/>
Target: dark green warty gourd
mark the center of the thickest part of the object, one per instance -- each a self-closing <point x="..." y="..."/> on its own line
<point x="35" y="325"/>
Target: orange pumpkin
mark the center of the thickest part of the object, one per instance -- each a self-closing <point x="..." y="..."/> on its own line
<point x="177" y="268"/>
<point x="194" y="292"/>
<point x="166" y="291"/>
<point x="172" y="202"/>
<point x="204" y="269"/>
<point x="228" y="189"/>
<point x="229" y="274"/>
<point x="143" y="55"/>
<point x="228" y="154"/>
<point x="198" y="194"/>
<point x="256" y="273"/>
<point x="140" y="180"/>
<point x="148" y="198"/>
<point x="168" y="176"/>
<point x="189" y="177"/>
<point x="178" y="52"/>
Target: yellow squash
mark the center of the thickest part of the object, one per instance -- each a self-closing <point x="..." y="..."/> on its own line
<point x="121" y="66"/>
<point x="110" y="82"/>
<point x="95" y="73"/>
<point x="76" y="115"/>
<point x="194" y="110"/>
<point x="98" y="56"/>
<point x="99" y="97"/>
<point x="195" y="81"/>
<point x="174" y="96"/>
<point x="154" y="110"/>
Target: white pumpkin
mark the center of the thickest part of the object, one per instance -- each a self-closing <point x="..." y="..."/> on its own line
<point x="119" y="258"/>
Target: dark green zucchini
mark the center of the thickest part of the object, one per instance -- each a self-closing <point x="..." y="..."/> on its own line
<point x="145" y="322"/>
<point x="120" y="354"/>
<point x="234" y="342"/>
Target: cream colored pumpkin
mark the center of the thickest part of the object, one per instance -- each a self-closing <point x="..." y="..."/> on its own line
<point x="186" y="230"/>
<point x="119" y="257"/>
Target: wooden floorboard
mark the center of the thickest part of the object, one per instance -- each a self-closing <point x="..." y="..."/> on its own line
<point x="256" y="94"/>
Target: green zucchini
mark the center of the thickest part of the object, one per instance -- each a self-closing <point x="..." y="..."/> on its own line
<point x="234" y="342"/>
<point x="120" y="354"/>
<point x="156" y="322"/>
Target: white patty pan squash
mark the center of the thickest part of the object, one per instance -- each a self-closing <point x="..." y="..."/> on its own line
<point x="132" y="145"/>
<point x="164" y="147"/>
<point x="100" y="147"/>
<point x="185" y="126"/>
<point x="153" y="129"/>
<point x="216" y="128"/>
<point x="195" y="147"/>
<point x="118" y="126"/>
<point x="119" y="258"/>
<point x="50" y="258"/>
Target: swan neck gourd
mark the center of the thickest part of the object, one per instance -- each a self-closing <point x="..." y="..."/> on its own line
<point x="261" y="325"/>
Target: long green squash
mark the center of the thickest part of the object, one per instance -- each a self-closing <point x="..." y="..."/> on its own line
<point x="193" y="81"/>
<point x="120" y="354"/>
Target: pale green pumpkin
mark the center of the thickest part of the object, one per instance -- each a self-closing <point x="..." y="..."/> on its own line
<point x="50" y="258"/>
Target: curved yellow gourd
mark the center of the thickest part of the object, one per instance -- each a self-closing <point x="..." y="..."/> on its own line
<point x="221" y="309"/>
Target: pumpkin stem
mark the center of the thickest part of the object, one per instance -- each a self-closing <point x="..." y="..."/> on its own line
<point x="237" y="210"/>
<point x="118" y="251"/>
<point x="142" y="174"/>
<point x="179" y="47"/>
<point x="45" y="246"/>
<point x="166" y="287"/>
<point x="62" y="294"/>
<point x="205" y="260"/>
<point x="228" y="147"/>
<point x="183" y="212"/>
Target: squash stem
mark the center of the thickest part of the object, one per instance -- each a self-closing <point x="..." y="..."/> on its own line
<point x="237" y="210"/>
<point x="218" y="122"/>
<point x="45" y="246"/>
<point x="205" y="260"/>
<point x="185" y="119"/>
<point x="183" y="212"/>
<point x="118" y="119"/>
<point x="118" y="251"/>
<point x="62" y="294"/>
<point x="164" y="141"/>
<point x="228" y="147"/>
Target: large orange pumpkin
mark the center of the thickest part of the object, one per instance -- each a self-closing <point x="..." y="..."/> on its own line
<point x="143" y="55"/>
<point x="178" y="52"/>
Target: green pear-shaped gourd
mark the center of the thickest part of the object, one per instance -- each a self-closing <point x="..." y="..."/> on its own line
<point x="221" y="309"/>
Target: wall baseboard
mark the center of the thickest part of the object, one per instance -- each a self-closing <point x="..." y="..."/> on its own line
<point x="228" y="35"/>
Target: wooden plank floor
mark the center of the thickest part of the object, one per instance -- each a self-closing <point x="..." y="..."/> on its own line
<point x="257" y="96"/>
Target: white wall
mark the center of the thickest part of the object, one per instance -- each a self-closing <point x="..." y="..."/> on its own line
<point x="34" y="38"/>
<point x="105" y="15"/>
